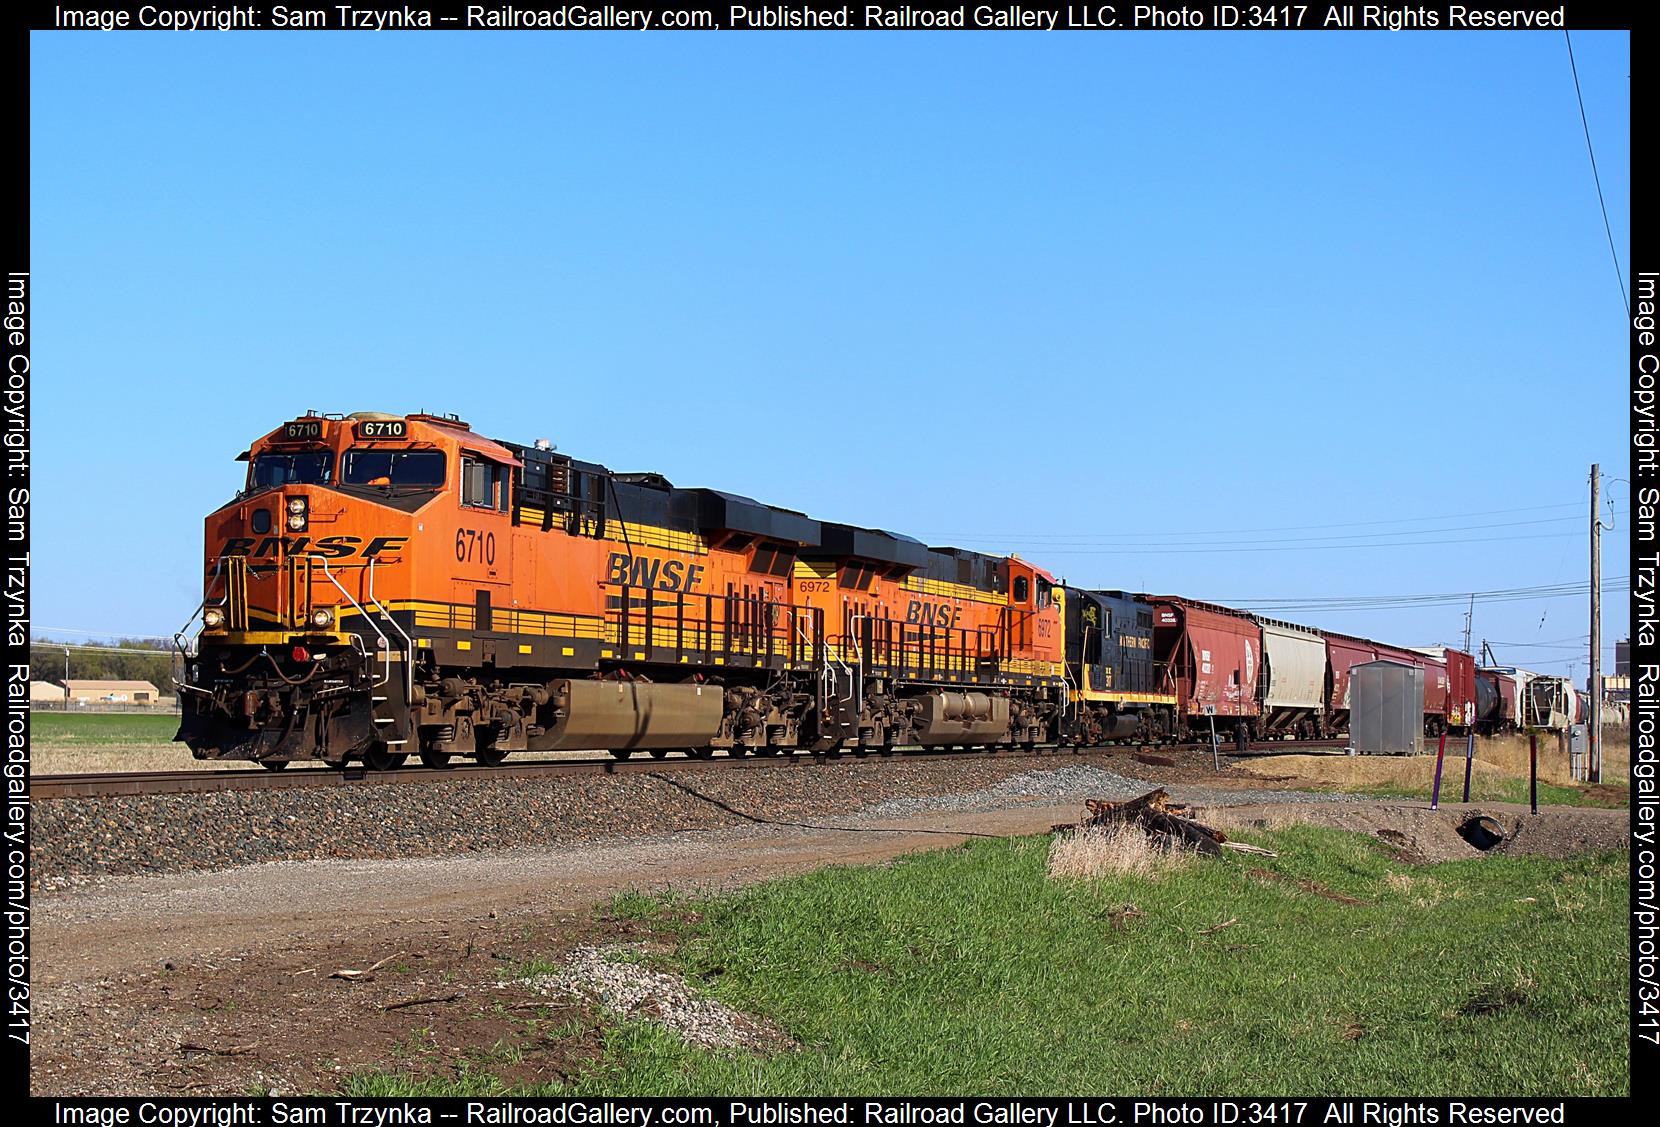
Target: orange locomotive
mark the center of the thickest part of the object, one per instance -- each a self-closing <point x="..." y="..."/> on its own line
<point x="388" y="584"/>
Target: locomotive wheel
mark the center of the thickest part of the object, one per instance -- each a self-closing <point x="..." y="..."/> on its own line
<point x="382" y="758"/>
<point x="621" y="752"/>
<point x="274" y="764"/>
<point x="437" y="760"/>
<point x="737" y="751"/>
<point x="700" y="752"/>
<point x="490" y="757"/>
<point x="659" y="753"/>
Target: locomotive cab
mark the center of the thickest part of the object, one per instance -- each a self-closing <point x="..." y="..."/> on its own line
<point x="305" y="648"/>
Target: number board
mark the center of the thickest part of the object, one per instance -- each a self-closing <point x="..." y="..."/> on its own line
<point x="382" y="428"/>
<point x="304" y="428"/>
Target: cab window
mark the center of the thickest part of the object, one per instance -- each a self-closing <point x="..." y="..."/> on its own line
<point x="305" y="467"/>
<point x="1043" y="594"/>
<point x="1022" y="588"/>
<point x="393" y="467"/>
<point x="483" y="484"/>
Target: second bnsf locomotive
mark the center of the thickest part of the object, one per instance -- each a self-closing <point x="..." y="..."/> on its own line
<point x="389" y="585"/>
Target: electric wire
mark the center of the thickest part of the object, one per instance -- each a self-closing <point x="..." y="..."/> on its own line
<point x="1619" y="274"/>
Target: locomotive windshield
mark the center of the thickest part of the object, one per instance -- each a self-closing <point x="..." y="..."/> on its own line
<point x="307" y="467"/>
<point x="424" y="468"/>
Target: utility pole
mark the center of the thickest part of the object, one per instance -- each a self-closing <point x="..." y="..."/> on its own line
<point x="1469" y="621"/>
<point x="66" y="676"/>
<point x="1594" y="756"/>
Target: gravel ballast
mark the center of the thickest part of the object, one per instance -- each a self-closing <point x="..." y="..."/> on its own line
<point x="79" y="838"/>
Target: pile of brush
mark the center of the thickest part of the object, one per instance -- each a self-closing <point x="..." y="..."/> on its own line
<point x="1166" y="823"/>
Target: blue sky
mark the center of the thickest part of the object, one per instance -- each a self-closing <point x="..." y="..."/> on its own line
<point x="1115" y="301"/>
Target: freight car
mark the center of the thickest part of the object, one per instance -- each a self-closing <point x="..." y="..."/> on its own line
<point x="391" y="584"/>
<point x="1211" y="657"/>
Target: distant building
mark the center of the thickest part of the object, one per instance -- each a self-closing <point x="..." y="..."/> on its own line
<point x="1622" y="657"/>
<point x="45" y="692"/>
<point x="113" y="692"/>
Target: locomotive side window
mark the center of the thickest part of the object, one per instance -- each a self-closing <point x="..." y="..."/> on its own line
<point x="483" y="484"/>
<point x="393" y="467"/>
<point x="1043" y="594"/>
<point x="1022" y="588"/>
<point x="308" y="467"/>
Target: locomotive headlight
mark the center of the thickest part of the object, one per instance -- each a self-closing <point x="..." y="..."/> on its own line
<point x="296" y="521"/>
<point x="296" y="504"/>
<point x="213" y="618"/>
<point x="322" y="619"/>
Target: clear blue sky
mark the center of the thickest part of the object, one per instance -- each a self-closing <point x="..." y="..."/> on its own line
<point x="1114" y="301"/>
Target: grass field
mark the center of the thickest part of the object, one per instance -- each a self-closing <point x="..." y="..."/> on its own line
<point x="1330" y="968"/>
<point x="75" y="743"/>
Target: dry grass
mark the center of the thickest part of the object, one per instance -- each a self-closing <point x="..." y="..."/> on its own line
<point x="1098" y="851"/>
<point x="104" y="760"/>
<point x="1499" y="762"/>
<point x="1355" y="772"/>
<point x="1257" y="818"/>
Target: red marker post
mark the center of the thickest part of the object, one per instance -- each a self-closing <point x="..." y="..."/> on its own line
<point x="1440" y="756"/>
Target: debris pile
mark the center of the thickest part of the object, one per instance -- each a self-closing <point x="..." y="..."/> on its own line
<point x="1165" y="822"/>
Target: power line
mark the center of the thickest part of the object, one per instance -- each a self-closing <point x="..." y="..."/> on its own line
<point x="1619" y="275"/>
<point x="1188" y="551"/>
<point x="1082" y="542"/>
<point x="1284" y="528"/>
<point x="44" y="644"/>
<point x="1384" y="602"/>
<point x="160" y="634"/>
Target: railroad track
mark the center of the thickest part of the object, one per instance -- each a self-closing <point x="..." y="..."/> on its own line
<point x="194" y="782"/>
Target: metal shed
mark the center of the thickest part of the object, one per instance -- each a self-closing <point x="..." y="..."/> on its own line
<point x="1387" y="708"/>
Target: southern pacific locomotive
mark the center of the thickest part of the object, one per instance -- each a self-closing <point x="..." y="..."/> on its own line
<point x="387" y="585"/>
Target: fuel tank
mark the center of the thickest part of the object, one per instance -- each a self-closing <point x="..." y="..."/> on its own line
<point x="962" y="718"/>
<point x="614" y="715"/>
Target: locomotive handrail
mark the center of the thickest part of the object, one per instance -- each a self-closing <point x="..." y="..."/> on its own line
<point x="385" y="642"/>
<point x="178" y="636"/>
<point x="409" y="643"/>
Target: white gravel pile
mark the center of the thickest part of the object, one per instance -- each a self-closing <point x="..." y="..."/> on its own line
<point x="1039" y="788"/>
<point x="629" y="989"/>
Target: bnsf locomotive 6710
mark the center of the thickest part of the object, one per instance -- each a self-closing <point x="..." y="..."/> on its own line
<point x="387" y="585"/>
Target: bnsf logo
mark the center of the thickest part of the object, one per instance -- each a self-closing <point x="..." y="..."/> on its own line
<point x="329" y="547"/>
<point x="933" y="614"/>
<point x="664" y="575"/>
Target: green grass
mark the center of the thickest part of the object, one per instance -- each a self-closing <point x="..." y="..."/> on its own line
<point x="54" y="730"/>
<point x="1491" y="788"/>
<point x="969" y="971"/>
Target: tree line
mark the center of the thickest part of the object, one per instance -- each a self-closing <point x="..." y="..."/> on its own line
<point x="95" y="661"/>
